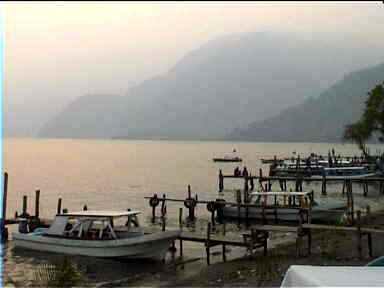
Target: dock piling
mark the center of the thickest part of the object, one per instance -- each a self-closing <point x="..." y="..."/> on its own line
<point x="163" y="223"/>
<point x="37" y="204"/>
<point x="359" y="248"/>
<point x="3" y="229"/>
<point x="59" y="206"/>
<point x="154" y="201"/>
<point x="208" y="244"/>
<point x="181" y="217"/>
<point x="163" y="206"/>
<point x="24" y="214"/>
<point x="221" y="181"/>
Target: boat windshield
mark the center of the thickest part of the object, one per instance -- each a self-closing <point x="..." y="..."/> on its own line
<point x="92" y="228"/>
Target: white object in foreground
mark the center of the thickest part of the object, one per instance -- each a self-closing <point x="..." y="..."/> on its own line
<point x="333" y="276"/>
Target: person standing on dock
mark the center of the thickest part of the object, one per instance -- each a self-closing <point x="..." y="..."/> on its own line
<point x="236" y="173"/>
<point x="245" y="172"/>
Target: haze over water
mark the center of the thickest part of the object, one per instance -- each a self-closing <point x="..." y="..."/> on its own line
<point x="114" y="174"/>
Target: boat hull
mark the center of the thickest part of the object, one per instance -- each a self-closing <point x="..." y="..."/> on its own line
<point x="289" y="215"/>
<point x="345" y="177"/>
<point x="226" y="160"/>
<point x="149" y="246"/>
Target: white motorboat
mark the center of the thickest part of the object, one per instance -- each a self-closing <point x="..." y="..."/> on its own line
<point x="287" y="206"/>
<point x="106" y="234"/>
<point x="345" y="173"/>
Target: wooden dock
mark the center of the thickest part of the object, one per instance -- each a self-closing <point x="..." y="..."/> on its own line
<point x="265" y="182"/>
<point x="251" y="241"/>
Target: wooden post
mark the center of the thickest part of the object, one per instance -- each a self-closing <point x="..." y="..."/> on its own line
<point x="24" y="213"/>
<point x="238" y="200"/>
<point x="224" y="256"/>
<point x="163" y="207"/>
<point x="59" y="206"/>
<point x="275" y="214"/>
<point x="207" y="243"/>
<point x="246" y="188"/>
<point x="154" y="202"/>
<point x="324" y="186"/>
<point x="221" y="181"/>
<point x="181" y="248"/>
<point x="246" y="215"/>
<point x="181" y="217"/>
<point x="264" y="219"/>
<point x="245" y="196"/>
<point x="368" y="215"/>
<point x="163" y="223"/>
<point x="265" y="242"/>
<point x="299" y="234"/>
<point x="37" y="204"/>
<point x="224" y="228"/>
<point x="238" y="196"/>
<point x="251" y="182"/>
<point x="359" y="248"/>
<point x="370" y="251"/>
<point x="352" y="202"/>
<point x="5" y="195"/>
<point x="365" y="188"/>
<point x="189" y="191"/>
<point x="344" y="184"/>
<point x="213" y="219"/>
<point x="3" y="228"/>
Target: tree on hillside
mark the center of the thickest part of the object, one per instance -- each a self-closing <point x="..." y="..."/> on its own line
<point x="371" y="122"/>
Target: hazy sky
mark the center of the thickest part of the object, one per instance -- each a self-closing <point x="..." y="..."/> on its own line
<point x="55" y="52"/>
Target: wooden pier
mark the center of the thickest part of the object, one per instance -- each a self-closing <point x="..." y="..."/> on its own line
<point x="266" y="182"/>
<point x="251" y="241"/>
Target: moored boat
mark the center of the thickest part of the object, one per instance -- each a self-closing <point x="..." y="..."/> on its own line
<point x="346" y="172"/>
<point x="228" y="159"/>
<point x="106" y="234"/>
<point x="322" y="210"/>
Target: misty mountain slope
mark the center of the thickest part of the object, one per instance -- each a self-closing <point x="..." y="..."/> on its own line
<point x="226" y="83"/>
<point x="320" y="119"/>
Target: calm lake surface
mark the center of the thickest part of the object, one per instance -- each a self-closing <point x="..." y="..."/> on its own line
<point x="117" y="174"/>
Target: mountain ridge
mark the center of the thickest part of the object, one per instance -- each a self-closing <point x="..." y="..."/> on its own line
<point x="226" y="83"/>
<point x="311" y="121"/>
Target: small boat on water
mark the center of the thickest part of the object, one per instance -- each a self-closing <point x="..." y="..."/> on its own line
<point x="228" y="159"/>
<point x="287" y="207"/>
<point x="106" y="234"/>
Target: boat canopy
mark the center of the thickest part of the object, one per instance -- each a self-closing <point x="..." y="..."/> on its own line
<point x="100" y="214"/>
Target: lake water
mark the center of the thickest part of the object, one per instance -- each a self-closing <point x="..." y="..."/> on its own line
<point x="117" y="174"/>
